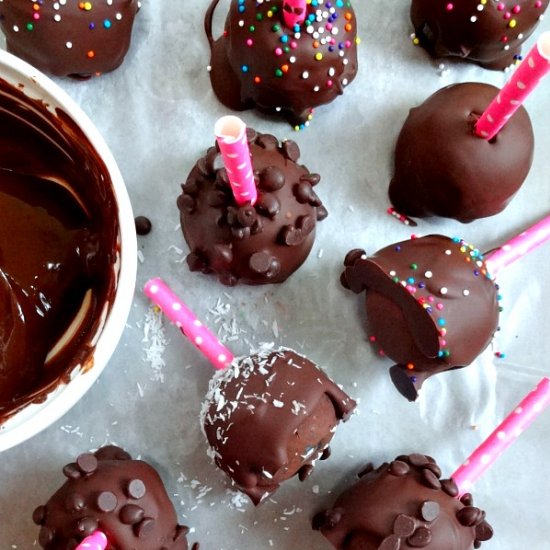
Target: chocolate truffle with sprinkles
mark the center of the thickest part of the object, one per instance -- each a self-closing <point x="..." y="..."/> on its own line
<point x="431" y="305"/>
<point x="488" y="33"/>
<point x="403" y="505"/>
<point x="69" y="38"/>
<point x="269" y="417"/>
<point x="263" y="243"/>
<point x="286" y="56"/>
<point x="110" y="492"/>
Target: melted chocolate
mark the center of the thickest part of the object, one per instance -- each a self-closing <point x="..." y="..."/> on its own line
<point x="491" y="37"/>
<point x="442" y="168"/>
<point x="79" y="39"/>
<point x="124" y="498"/>
<point x="260" y="62"/>
<point x="259" y="244"/>
<point x="404" y="505"/>
<point x="430" y="304"/>
<point x="269" y="417"/>
<point x="58" y="246"/>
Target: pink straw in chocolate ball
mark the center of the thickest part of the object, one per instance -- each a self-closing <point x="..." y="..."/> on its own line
<point x="96" y="541"/>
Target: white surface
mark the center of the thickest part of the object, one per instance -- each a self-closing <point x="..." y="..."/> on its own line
<point x="157" y="114"/>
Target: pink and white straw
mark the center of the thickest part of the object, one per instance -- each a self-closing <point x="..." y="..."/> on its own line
<point x="231" y="137"/>
<point x="96" y="541"/>
<point x="518" y="246"/>
<point x="502" y="437"/>
<point x="523" y="81"/>
<point x="206" y="342"/>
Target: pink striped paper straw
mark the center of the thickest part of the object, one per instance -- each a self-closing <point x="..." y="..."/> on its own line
<point x="231" y="137"/>
<point x="294" y="12"/>
<point x="504" y="435"/>
<point x="524" y="80"/>
<point x="207" y="343"/>
<point x="518" y="246"/>
<point x="96" y="541"/>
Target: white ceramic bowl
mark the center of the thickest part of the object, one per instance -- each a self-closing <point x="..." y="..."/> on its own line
<point x="36" y="417"/>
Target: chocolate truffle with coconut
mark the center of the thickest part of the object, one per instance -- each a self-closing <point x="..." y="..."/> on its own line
<point x="269" y="417"/>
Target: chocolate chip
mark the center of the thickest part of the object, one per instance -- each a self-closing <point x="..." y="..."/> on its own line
<point x="483" y="531"/>
<point x="322" y="213"/>
<point x="185" y="203"/>
<point x="313" y="179"/>
<point x="222" y="178"/>
<point x="106" y="501"/>
<point x="87" y="463"/>
<point x="131" y="514"/>
<point x="181" y="532"/>
<point x="390" y="543"/>
<point x="433" y="467"/>
<point x="216" y="198"/>
<point x="353" y="256"/>
<point x="450" y="487"/>
<point x="202" y="167"/>
<point x="228" y="279"/>
<point x="305" y="471"/>
<point x="272" y="178"/>
<point x="366" y="470"/>
<point x="291" y="150"/>
<point x="260" y="262"/>
<point x="267" y="141"/>
<point x="306" y="224"/>
<point x="333" y="517"/>
<point x="196" y="261"/>
<point x="72" y="471"/>
<point x="430" y="479"/>
<point x="74" y="502"/>
<point x="251" y="135"/>
<point x="467" y="499"/>
<point x="326" y="453"/>
<point x="112" y="452"/>
<point x="420" y="538"/>
<point x="143" y="224"/>
<point x="45" y="537"/>
<point x="86" y="526"/>
<point x="468" y="516"/>
<point x="429" y="510"/>
<point x="304" y="192"/>
<point x="144" y="528"/>
<point x="268" y="205"/>
<point x="399" y="468"/>
<point x="404" y="526"/>
<point x="240" y="233"/>
<point x="418" y="460"/>
<point x="291" y="236"/>
<point x="39" y="515"/>
<point x="136" y="489"/>
<point x="246" y="215"/>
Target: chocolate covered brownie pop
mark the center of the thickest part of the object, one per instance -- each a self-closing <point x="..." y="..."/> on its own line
<point x="403" y="505"/>
<point x="286" y="56"/>
<point x="254" y="240"/>
<point x="487" y="33"/>
<point x="442" y="168"/>
<point x="432" y="303"/>
<point x="78" y="39"/>
<point x="125" y="499"/>
<point x="267" y="417"/>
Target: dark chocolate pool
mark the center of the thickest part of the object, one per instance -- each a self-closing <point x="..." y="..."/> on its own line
<point x="59" y="248"/>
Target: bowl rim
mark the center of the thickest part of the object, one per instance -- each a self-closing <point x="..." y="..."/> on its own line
<point x="34" y="418"/>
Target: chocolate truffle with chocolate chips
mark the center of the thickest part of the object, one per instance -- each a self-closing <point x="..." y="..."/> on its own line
<point x="403" y="505"/>
<point x="263" y="243"/>
<point x="77" y="39"/>
<point x="269" y="417"/>
<point x="442" y="168"/>
<point x="487" y="33"/>
<point x="123" y="498"/>
<point x="261" y="62"/>
<point x="431" y="305"/>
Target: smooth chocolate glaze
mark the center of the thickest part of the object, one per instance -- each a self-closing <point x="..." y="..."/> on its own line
<point x="491" y="36"/>
<point x="78" y="39"/>
<point x="259" y="244"/>
<point x="269" y="417"/>
<point x="442" y="168"/>
<point x="404" y="505"/>
<point x="431" y="305"/>
<point x="58" y="247"/>
<point x="259" y="62"/>
<point x="123" y="498"/>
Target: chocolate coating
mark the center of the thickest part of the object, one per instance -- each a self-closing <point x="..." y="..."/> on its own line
<point x="100" y="494"/>
<point x="259" y="62"/>
<point x="443" y="169"/>
<point x="58" y="248"/>
<point x="269" y="417"/>
<point x="491" y="37"/>
<point x="259" y="244"/>
<point x="79" y="39"/>
<point x="430" y="304"/>
<point x="404" y="505"/>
